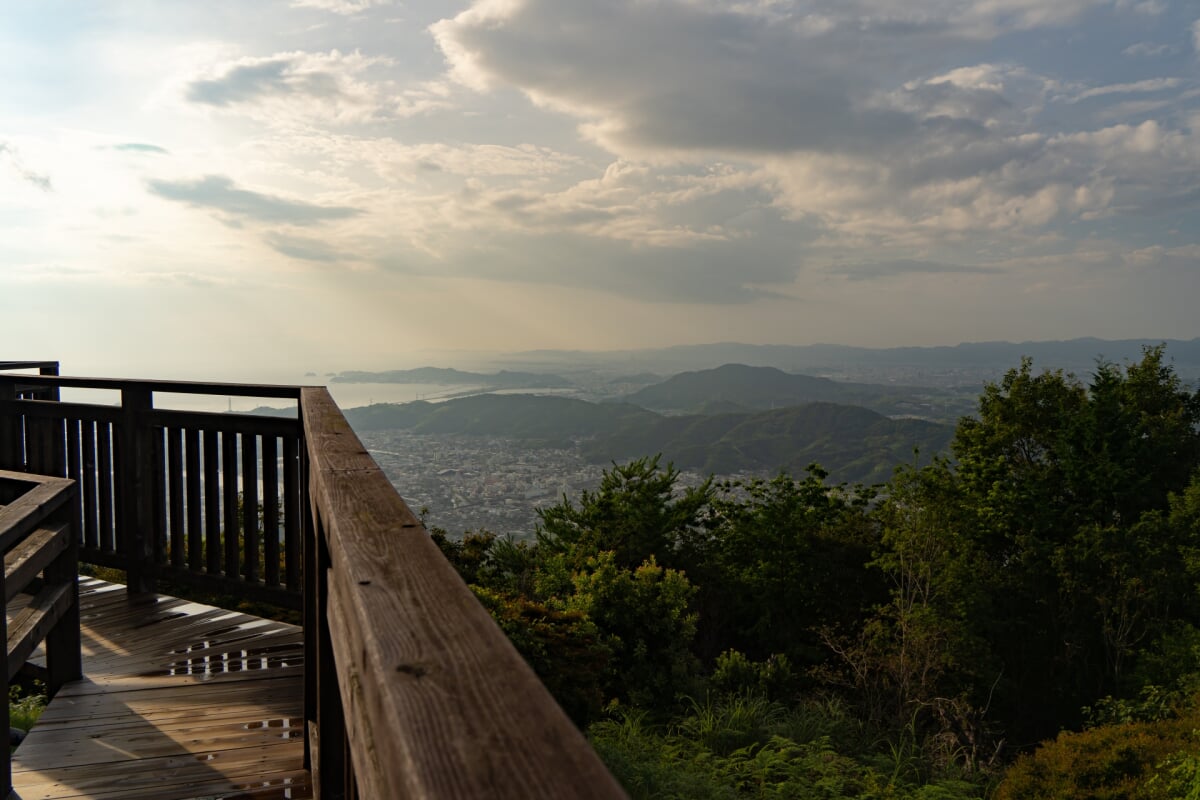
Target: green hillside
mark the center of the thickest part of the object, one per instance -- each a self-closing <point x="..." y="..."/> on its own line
<point x="854" y="444"/>
<point x="737" y="386"/>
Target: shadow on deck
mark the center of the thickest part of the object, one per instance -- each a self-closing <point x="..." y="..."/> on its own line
<point x="179" y="700"/>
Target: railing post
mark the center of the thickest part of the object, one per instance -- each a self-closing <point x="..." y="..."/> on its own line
<point x="325" y="726"/>
<point x="10" y="429"/>
<point x="52" y="393"/>
<point x="6" y="770"/>
<point x="137" y="489"/>
<point x="64" y="657"/>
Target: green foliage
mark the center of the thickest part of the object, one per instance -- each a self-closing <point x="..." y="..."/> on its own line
<point x="634" y="514"/>
<point x="1131" y="761"/>
<point x="778" y="561"/>
<point x="771" y="678"/>
<point x="739" y="750"/>
<point x="25" y="708"/>
<point x="565" y="649"/>
<point x="1064" y="490"/>
<point x="644" y="615"/>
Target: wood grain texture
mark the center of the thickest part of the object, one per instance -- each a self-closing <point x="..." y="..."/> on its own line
<point x="437" y="701"/>
<point x="180" y="701"/>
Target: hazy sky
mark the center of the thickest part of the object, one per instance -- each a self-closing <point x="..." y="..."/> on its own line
<point x="219" y="186"/>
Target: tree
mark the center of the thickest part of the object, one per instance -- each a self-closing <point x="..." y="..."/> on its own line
<point x="1062" y="483"/>
<point x="634" y="514"/>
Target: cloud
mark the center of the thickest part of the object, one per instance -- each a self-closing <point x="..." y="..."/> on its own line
<point x="17" y="165"/>
<point x="304" y="248"/>
<point x="891" y="269"/>
<point x="330" y="85"/>
<point x="1148" y="50"/>
<point x="139" y="147"/>
<point x="689" y="78"/>
<point x="219" y="193"/>
<point x="1146" y="86"/>
<point x="673" y="76"/>
<point x="1196" y="35"/>
<point x="344" y="7"/>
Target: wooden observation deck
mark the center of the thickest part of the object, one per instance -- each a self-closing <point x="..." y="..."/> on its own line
<point x="398" y="684"/>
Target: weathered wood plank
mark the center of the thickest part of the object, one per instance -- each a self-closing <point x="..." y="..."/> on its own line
<point x="43" y="498"/>
<point x="438" y="702"/>
<point x="30" y="627"/>
<point x="26" y="560"/>
<point x="133" y="729"/>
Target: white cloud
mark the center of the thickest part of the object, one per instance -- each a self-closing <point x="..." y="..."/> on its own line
<point x="18" y="168"/>
<point x="1148" y="50"/>
<point x="1146" y="86"/>
<point x="344" y="7"/>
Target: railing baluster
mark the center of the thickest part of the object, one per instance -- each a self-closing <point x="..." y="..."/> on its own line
<point x="212" y="503"/>
<point x="229" y="477"/>
<point x="250" y="529"/>
<point x="105" y="465"/>
<point x="195" y="537"/>
<point x="90" y="504"/>
<point x="75" y="472"/>
<point x="270" y="504"/>
<point x="293" y="512"/>
<point x="175" y="503"/>
<point x="157" y="463"/>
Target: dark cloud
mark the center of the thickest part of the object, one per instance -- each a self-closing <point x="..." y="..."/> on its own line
<point x="677" y="76"/>
<point x="219" y="193"/>
<point x="140" y="147"/>
<point x="890" y="269"/>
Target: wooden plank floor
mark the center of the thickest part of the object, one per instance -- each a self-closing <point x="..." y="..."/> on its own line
<point x="179" y="701"/>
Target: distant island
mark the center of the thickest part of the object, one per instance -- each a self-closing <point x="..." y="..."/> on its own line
<point x="503" y="379"/>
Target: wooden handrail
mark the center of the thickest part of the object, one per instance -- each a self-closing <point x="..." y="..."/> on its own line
<point x="38" y="535"/>
<point x="180" y="387"/>
<point x="432" y="698"/>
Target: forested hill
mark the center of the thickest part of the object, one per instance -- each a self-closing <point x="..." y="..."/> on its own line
<point x="520" y="416"/>
<point x="747" y="388"/>
<point x="853" y="444"/>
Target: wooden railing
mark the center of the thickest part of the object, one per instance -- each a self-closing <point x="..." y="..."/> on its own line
<point x="199" y="497"/>
<point x="411" y="690"/>
<point x="39" y="541"/>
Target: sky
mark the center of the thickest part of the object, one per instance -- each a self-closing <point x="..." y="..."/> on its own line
<point x="230" y="188"/>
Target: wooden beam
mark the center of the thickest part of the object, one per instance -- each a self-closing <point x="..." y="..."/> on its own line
<point x="438" y="703"/>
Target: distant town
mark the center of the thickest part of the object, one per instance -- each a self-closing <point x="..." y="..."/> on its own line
<point x="468" y="483"/>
